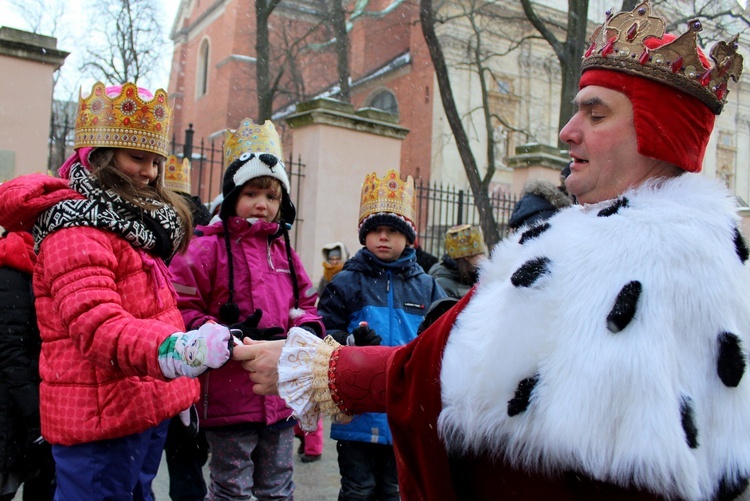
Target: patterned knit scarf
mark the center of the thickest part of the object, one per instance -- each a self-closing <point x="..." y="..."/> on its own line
<point x="157" y="231"/>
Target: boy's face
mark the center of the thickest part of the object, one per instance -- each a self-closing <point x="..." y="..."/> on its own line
<point x="262" y="203"/>
<point x="385" y="242"/>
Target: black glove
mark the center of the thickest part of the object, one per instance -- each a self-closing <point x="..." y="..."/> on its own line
<point x="364" y="336"/>
<point x="249" y="328"/>
<point x="312" y="328"/>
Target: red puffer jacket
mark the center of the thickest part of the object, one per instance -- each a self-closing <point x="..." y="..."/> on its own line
<point x="103" y="309"/>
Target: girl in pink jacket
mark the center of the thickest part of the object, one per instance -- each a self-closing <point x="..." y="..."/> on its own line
<point x="113" y="340"/>
<point x="242" y="272"/>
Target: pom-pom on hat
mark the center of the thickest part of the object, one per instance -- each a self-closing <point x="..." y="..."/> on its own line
<point x="177" y="174"/>
<point x="388" y="202"/>
<point x="674" y="89"/>
<point x="253" y="151"/>
<point x="464" y="241"/>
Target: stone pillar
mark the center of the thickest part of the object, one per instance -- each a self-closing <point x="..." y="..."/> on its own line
<point x="536" y="161"/>
<point x="339" y="147"/>
<point x="27" y="63"/>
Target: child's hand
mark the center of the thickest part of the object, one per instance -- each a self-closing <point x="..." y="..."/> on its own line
<point x="364" y="336"/>
<point x="193" y="353"/>
<point x="249" y="329"/>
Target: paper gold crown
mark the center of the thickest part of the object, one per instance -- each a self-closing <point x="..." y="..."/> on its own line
<point x="251" y="138"/>
<point x="123" y="121"/>
<point x="389" y="194"/>
<point x="464" y="241"/>
<point x="619" y="45"/>
<point x="177" y="174"/>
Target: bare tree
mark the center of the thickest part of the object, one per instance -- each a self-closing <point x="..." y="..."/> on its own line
<point x="568" y="51"/>
<point x="265" y="88"/>
<point x="126" y="40"/>
<point x="341" y="34"/>
<point x="478" y="186"/>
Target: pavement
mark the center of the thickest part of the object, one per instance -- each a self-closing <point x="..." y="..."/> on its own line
<point x="318" y="481"/>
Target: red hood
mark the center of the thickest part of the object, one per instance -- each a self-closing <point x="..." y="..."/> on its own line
<point x="17" y="252"/>
<point x="22" y="199"/>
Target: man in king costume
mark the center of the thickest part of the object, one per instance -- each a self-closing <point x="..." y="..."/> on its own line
<point x="603" y="353"/>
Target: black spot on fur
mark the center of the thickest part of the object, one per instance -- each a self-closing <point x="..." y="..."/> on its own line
<point x="614" y="208"/>
<point x="625" y="305"/>
<point x="269" y="160"/>
<point x="533" y="232"/>
<point x="688" y="423"/>
<point x="530" y="271"/>
<point x="731" y="363"/>
<point x="730" y="489"/>
<point x="520" y="401"/>
<point x="740" y="246"/>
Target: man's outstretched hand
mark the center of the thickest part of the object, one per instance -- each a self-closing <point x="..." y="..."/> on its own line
<point x="261" y="360"/>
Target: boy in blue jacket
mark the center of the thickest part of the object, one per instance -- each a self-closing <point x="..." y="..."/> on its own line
<point x="380" y="297"/>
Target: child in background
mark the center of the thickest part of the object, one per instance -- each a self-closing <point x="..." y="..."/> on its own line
<point x="458" y="271"/>
<point x="311" y="444"/>
<point x="24" y="456"/>
<point x="186" y="449"/>
<point x="381" y="296"/>
<point x="242" y="271"/>
<point x="334" y="257"/>
<point x="113" y="345"/>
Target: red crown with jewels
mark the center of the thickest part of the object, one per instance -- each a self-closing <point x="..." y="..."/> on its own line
<point x="123" y="119"/>
<point x="622" y="44"/>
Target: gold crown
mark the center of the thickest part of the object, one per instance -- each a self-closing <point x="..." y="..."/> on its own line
<point x="251" y="138"/>
<point x="389" y="194"/>
<point x="619" y="45"/>
<point x="177" y="174"/>
<point x="123" y="121"/>
<point x="464" y="241"/>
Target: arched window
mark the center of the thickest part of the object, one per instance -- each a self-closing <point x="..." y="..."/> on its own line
<point x="384" y="100"/>
<point x="201" y="87"/>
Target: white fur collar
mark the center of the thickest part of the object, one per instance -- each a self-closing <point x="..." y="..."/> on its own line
<point x="611" y="405"/>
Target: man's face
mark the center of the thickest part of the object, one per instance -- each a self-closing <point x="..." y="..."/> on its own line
<point x="603" y="146"/>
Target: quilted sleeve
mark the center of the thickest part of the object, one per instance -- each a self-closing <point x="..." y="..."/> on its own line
<point x="79" y="266"/>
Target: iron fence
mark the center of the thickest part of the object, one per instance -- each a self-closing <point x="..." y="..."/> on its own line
<point x="440" y="207"/>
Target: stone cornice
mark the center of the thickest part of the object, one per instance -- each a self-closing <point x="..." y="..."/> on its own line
<point x="30" y="46"/>
<point x="339" y="114"/>
<point x="537" y="155"/>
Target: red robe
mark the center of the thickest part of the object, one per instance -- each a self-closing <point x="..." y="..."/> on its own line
<point x="405" y="382"/>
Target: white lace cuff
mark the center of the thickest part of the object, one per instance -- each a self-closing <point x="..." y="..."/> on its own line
<point x="303" y="378"/>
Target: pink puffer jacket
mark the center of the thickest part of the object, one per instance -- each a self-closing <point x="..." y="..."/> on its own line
<point x="261" y="280"/>
<point x="103" y="309"/>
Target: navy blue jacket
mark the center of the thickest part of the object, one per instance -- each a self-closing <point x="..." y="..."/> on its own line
<point x="393" y="299"/>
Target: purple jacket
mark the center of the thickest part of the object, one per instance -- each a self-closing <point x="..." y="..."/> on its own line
<point x="261" y="280"/>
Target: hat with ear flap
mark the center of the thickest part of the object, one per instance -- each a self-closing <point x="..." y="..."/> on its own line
<point x="250" y="152"/>
<point x="254" y="151"/>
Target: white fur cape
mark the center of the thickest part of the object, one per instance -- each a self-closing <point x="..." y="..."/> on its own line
<point x="623" y="407"/>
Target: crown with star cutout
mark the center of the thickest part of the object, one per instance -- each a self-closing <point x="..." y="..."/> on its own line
<point x="177" y="174"/>
<point x="120" y="117"/>
<point x="622" y="44"/>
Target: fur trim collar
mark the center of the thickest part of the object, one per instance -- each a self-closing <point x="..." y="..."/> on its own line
<point x="612" y="341"/>
<point x="548" y="191"/>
